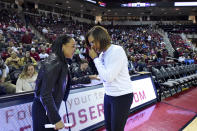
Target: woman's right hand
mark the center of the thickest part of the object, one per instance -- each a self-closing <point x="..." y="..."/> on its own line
<point x="59" y="125"/>
<point x="94" y="77"/>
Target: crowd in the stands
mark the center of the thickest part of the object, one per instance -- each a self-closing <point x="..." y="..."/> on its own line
<point x="22" y="52"/>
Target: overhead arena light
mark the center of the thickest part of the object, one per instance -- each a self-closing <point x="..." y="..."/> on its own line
<point x="185" y="3"/>
<point x="91" y="1"/>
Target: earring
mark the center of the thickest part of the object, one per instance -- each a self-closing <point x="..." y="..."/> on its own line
<point x="62" y="48"/>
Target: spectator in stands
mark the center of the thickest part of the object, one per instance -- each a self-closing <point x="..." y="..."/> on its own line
<point x="20" y="45"/>
<point x="83" y="73"/>
<point x="11" y="45"/>
<point x="34" y="54"/>
<point x="41" y="48"/>
<point x="164" y="54"/>
<point x="5" y="54"/>
<point x="141" y="64"/>
<point x="17" y="28"/>
<point x="149" y="38"/>
<point x="27" y="39"/>
<point x="11" y="28"/>
<point x="154" y="58"/>
<point x="176" y="54"/>
<point x="2" y="42"/>
<point x="26" y="80"/>
<point x="4" y="84"/>
<point x="181" y="59"/>
<point x="1" y="32"/>
<point x="195" y="59"/>
<point x="43" y="55"/>
<point x="10" y="50"/>
<point x="82" y="54"/>
<point x="134" y="61"/>
<point x="84" y="69"/>
<point x="48" y="48"/>
<point x="54" y="37"/>
<point x="131" y="66"/>
<point x="44" y="30"/>
<point x="27" y="59"/>
<point x="23" y="29"/>
<point x="20" y="52"/>
<point x="13" y="61"/>
<point x="159" y="55"/>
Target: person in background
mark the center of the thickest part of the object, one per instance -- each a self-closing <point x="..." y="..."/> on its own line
<point x="13" y="61"/>
<point x="176" y="55"/>
<point x="4" y="72"/>
<point x="11" y="45"/>
<point x="131" y="66"/>
<point x="26" y="38"/>
<point x="43" y="55"/>
<point x="48" y="48"/>
<point x="5" y="54"/>
<point x="27" y="59"/>
<point x="181" y="59"/>
<point x="26" y="80"/>
<point x="83" y="74"/>
<point x="112" y="66"/>
<point x="20" y="52"/>
<point x="34" y="54"/>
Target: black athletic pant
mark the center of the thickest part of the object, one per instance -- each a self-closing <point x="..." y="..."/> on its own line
<point x="39" y="117"/>
<point x="116" y="111"/>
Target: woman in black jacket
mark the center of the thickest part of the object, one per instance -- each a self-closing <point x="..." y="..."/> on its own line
<point x="52" y="85"/>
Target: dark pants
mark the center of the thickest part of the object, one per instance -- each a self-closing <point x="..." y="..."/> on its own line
<point x="116" y="111"/>
<point x="39" y="117"/>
